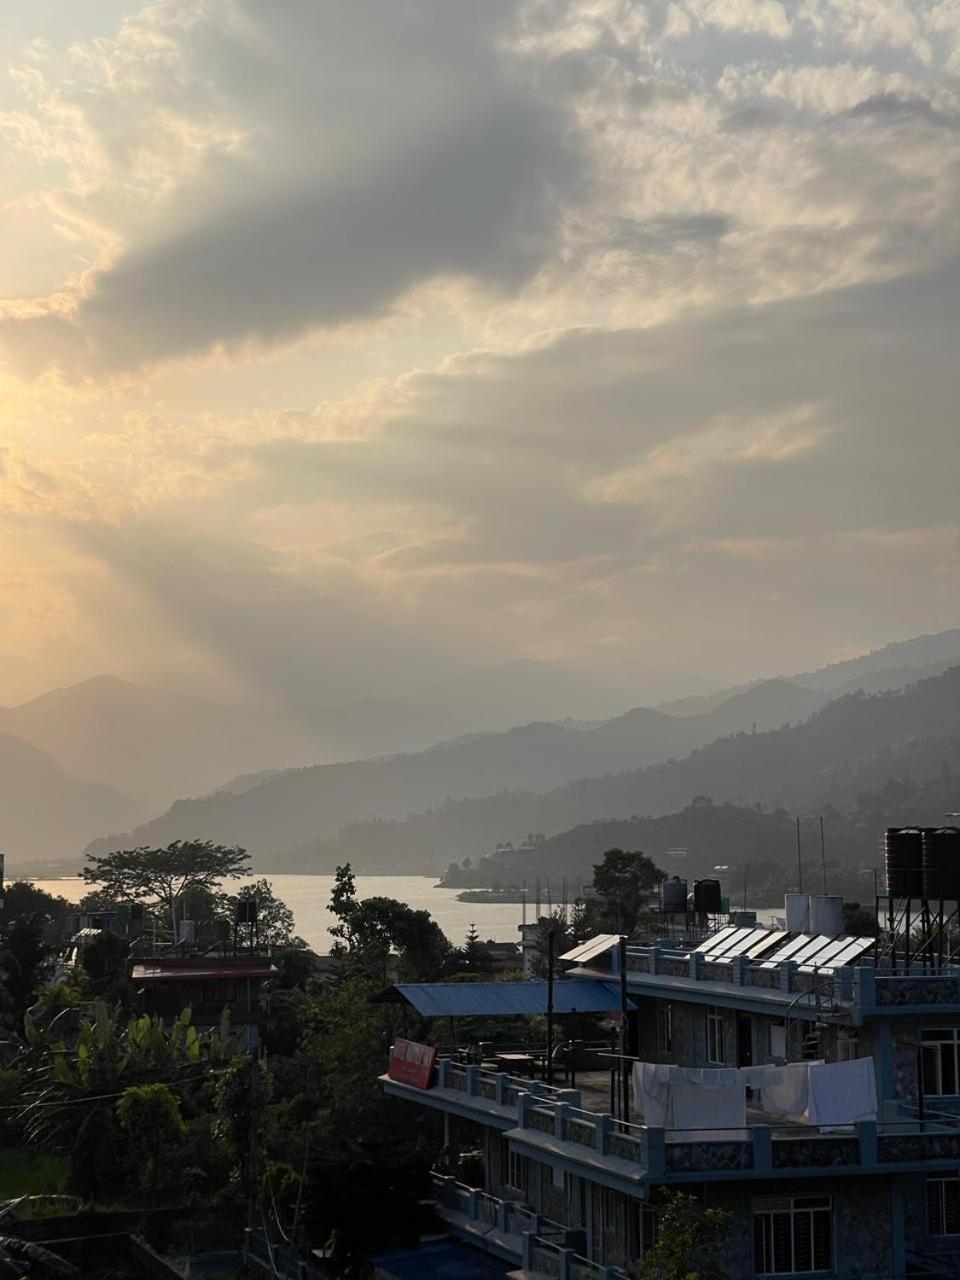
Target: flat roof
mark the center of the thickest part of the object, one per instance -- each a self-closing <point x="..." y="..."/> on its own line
<point x="504" y="999"/>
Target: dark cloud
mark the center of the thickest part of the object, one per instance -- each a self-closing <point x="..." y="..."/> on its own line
<point x="387" y="145"/>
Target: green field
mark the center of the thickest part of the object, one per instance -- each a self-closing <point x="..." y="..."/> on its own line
<point x="24" y="1173"/>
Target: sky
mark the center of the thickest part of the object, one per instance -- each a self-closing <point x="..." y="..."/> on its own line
<point x="349" y="345"/>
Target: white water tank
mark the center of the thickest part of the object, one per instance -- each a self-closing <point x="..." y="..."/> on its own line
<point x="796" y="909"/>
<point x="826" y="914"/>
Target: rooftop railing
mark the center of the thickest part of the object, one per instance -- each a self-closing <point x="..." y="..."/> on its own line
<point x="552" y="1116"/>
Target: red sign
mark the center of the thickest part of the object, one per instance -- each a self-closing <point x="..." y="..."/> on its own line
<point x="412" y="1063"/>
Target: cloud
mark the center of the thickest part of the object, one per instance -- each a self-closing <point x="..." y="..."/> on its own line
<point x="371" y="148"/>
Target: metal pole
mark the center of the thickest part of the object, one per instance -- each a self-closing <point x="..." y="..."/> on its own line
<point x="799" y="863"/>
<point x="746" y="870"/>
<point x="573" y="1050"/>
<point x="548" y="1073"/>
<point x="624" y="1077"/>
<point x="823" y="856"/>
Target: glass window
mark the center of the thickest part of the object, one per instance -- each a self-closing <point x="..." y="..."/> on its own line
<point x="664" y="1028"/>
<point x="778" y="1040"/>
<point x="848" y="1044"/>
<point x="792" y="1236"/>
<point x="519" y="1171"/>
<point x="715" y="1036"/>
<point x="943" y="1205"/>
<point x="940" y="1056"/>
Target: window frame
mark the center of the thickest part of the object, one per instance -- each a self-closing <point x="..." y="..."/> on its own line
<point x="938" y="1044"/>
<point x="715" y="1032"/>
<point x="518" y="1163"/>
<point x="816" y="1211"/>
<point x="664" y="1027"/>
<point x="941" y="1182"/>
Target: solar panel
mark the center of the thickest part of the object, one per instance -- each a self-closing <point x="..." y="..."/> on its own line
<point x="729" y="945"/>
<point x="592" y="948"/>
<point x="787" y="951"/>
<point x="815" y="945"/>
<point x="711" y="943"/>
<point x="826" y="954"/>
<point x="852" y="952"/>
<point x="737" y="946"/>
<point x="765" y="944"/>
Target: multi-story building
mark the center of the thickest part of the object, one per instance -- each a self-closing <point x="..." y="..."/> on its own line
<point x="571" y="1189"/>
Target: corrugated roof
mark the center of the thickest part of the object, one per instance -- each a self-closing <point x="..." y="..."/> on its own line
<point x="158" y="973"/>
<point x="592" y="948"/>
<point x="504" y="999"/>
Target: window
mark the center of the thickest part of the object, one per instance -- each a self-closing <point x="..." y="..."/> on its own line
<point x="664" y="1028"/>
<point x="576" y="1197"/>
<point x="609" y="1209"/>
<point x="715" y="1036"/>
<point x="642" y="1228"/>
<point x="519" y="1171"/>
<point x="777" y="1044"/>
<point x="939" y="1050"/>
<point x="792" y="1236"/>
<point x="848" y="1044"/>
<point x="943" y="1205"/>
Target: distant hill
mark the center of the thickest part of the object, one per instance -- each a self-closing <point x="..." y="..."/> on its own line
<point x="45" y="812"/>
<point x="799" y="763"/>
<point x="290" y="807"/>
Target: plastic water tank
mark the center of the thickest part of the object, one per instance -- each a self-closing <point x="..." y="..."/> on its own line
<point x="941" y="863"/>
<point x="826" y="914"/>
<point x="673" y="895"/>
<point x="796" y="910"/>
<point x="707" y="899"/>
<point x="903" y="862"/>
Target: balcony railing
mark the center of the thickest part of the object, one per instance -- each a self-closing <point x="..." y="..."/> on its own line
<point x="546" y="1116"/>
<point x="534" y="1242"/>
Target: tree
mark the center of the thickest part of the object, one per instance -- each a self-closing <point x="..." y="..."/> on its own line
<point x="689" y="1244"/>
<point x="103" y="960"/>
<point x="23" y="958"/>
<point x="21" y="898"/>
<point x="625" y="881"/>
<point x="149" y="1115"/>
<point x="369" y="930"/>
<point x="474" y="957"/>
<point x="274" y="918"/>
<point x="165" y="875"/>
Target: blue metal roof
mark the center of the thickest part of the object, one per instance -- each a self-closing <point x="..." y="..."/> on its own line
<point x="507" y="999"/>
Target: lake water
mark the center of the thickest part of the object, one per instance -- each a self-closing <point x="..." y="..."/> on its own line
<point x="307" y="897"/>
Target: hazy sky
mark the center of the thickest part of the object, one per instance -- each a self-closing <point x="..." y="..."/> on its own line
<point x="350" y="343"/>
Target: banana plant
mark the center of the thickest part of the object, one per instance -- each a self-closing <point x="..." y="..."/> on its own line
<point x="17" y="1256"/>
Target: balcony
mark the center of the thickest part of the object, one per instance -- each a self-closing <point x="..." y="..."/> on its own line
<point x="552" y="1125"/>
<point x="513" y="1233"/>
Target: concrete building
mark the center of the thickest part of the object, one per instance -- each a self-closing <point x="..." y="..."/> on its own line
<point x="571" y="1190"/>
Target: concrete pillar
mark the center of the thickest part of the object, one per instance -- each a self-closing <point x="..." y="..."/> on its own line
<point x="560" y="1117"/>
<point x="738" y="970"/>
<point x="761" y="1137"/>
<point x="603" y="1123"/>
<point x="525" y="1101"/>
<point x="696" y="964"/>
<point x="473" y="1075"/>
<point x="566" y="1259"/>
<point x="442" y="1066"/>
<point x="655" y="1150"/>
<point x="898" y="1230"/>
<point x="500" y="1084"/>
<point x="788" y="972"/>
<point x="867" y="1139"/>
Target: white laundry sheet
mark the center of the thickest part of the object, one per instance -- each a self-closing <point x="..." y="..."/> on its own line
<point x="820" y="1093"/>
<point x="689" y="1097"/>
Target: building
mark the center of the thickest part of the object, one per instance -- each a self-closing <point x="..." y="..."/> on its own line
<point x="209" y="984"/>
<point x="571" y="1189"/>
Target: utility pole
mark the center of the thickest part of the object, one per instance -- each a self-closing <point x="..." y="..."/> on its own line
<point x="799" y="862"/>
<point x="550" y="949"/>
<point x="624" y="1074"/>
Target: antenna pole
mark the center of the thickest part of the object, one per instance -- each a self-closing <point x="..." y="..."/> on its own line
<point x="823" y="856"/>
<point x="799" y="863"/>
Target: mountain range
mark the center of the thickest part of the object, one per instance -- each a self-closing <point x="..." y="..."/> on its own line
<point x="103" y="755"/>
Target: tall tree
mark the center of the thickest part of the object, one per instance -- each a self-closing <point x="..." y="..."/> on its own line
<point x="625" y="881"/>
<point x="274" y="918"/>
<point x="165" y="875"/>
<point x="369" y="930"/>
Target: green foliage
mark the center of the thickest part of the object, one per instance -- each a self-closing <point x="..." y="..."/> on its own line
<point x="690" y="1240"/>
<point x="103" y="960"/>
<point x="72" y="1088"/>
<point x="240" y="1097"/>
<point x="274" y="918"/>
<point x="625" y="881"/>
<point x="149" y="1116"/>
<point x="21" y="898"/>
<point x="26" y="1172"/>
<point x="369" y="930"/>
<point x="23" y="967"/>
<point x="165" y="875"/>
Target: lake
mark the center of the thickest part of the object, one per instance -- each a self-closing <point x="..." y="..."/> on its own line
<point x="307" y="897"/>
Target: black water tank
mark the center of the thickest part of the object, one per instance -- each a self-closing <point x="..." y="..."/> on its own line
<point x="941" y="863"/>
<point x="246" y="911"/>
<point x="903" y="862"/>
<point x="707" y="897"/>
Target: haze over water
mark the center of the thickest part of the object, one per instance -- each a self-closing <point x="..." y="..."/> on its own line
<point x="308" y="896"/>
